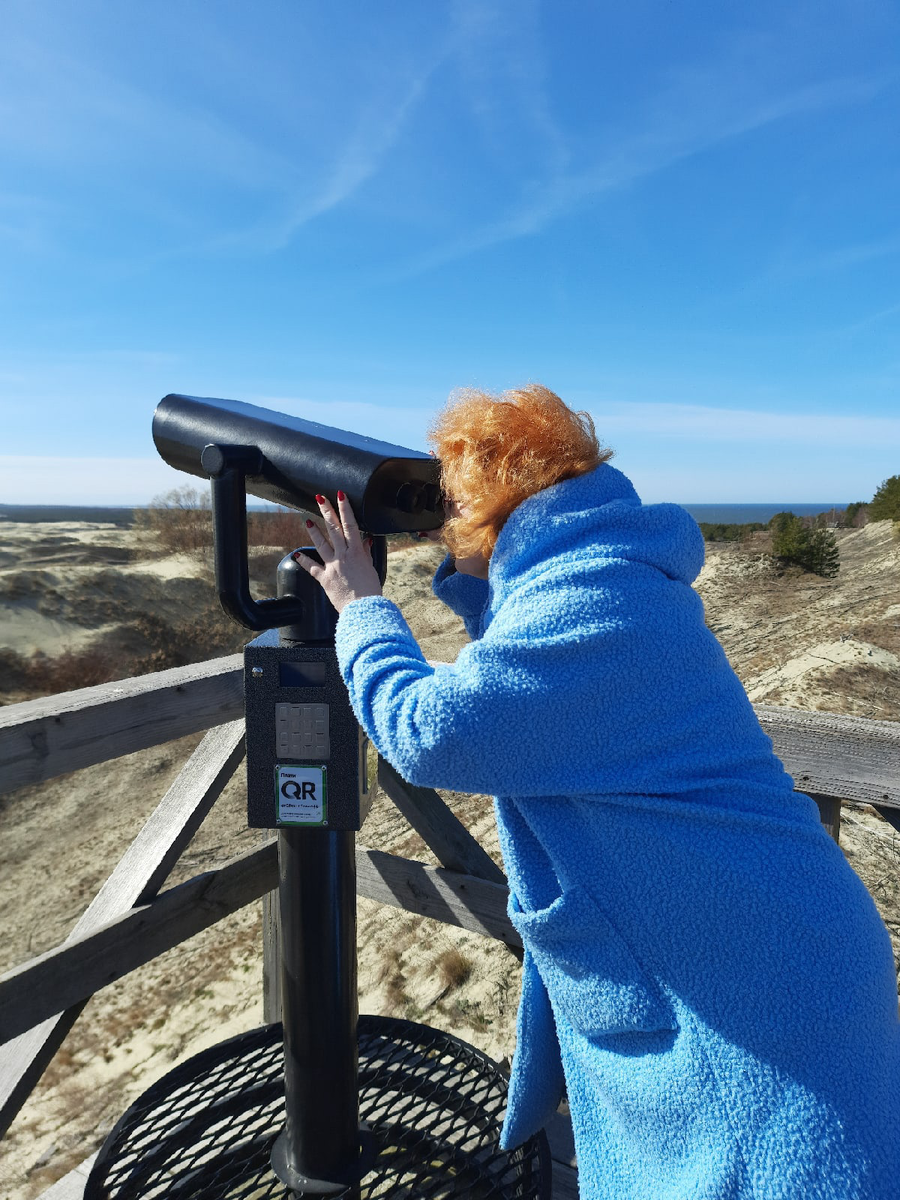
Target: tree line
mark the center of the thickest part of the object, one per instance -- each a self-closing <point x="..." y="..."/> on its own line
<point x="809" y="542"/>
<point x="181" y="521"/>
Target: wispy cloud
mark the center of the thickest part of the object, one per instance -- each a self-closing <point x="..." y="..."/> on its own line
<point x="70" y="111"/>
<point x="358" y="159"/>
<point x="389" y="423"/>
<point x="697" y="422"/>
<point x="505" y="80"/>
<point x="697" y="110"/>
<point x="708" y="424"/>
<point x="791" y="268"/>
<point x="870" y="321"/>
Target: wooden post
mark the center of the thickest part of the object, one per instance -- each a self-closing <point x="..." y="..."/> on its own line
<point x="830" y="813"/>
<point x="271" y="959"/>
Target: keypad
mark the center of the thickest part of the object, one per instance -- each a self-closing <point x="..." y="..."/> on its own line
<point x="301" y="731"/>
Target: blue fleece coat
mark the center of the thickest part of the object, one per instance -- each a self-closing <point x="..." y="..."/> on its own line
<point x="702" y="968"/>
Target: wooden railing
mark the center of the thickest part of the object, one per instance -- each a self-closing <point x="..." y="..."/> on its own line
<point x="131" y="920"/>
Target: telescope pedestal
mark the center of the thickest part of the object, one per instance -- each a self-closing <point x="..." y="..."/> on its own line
<point x="433" y="1104"/>
<point x="319" y="1151"/>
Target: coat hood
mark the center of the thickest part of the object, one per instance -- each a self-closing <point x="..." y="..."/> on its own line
<point x="592" y="520"/>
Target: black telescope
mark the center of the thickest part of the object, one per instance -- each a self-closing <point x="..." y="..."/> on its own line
<point x="391" y="489"/>
<point x="241" y="448"/>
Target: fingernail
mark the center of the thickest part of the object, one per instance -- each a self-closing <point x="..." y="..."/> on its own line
<point x="320" y="499"/>
<point x="309" y="524"/>
<point x="341" y="496"/>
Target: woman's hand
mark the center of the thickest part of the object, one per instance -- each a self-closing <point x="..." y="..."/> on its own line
<point x="347" y="571"/>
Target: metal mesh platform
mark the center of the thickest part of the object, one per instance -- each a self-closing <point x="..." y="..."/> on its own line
<point x="434" y="1106"/>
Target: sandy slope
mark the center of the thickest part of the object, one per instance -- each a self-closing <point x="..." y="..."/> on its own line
<point x="793" y="639"/>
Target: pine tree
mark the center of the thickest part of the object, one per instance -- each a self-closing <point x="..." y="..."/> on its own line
<point x="822" y="554"/>
<point x="885" y="505"/>
<point x="814" y="550"/>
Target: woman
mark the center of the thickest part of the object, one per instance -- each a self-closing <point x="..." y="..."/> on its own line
<point x="703" y="969"/>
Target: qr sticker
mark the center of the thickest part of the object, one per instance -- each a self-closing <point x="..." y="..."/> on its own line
<point x="300" y="796"/>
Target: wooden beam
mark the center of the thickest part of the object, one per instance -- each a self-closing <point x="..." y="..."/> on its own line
<point x="138" y="876"/>
<point x="70" y="973"/>
<point x="847" y="758"/>
<point x="271" y="935"/>
<point x="474" y="904"/>
<point x="441" y="829"/>
<point x="71" y="1186"/>
<point x="41" y="739"/>
<point x="75" y="970"/>
<point x="891" y="815"/>
<point x="565" y="1183"/>
<point x="830" y="815"/>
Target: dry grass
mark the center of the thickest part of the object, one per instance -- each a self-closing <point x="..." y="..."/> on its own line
<point x="454" y="968"/>
<point x="392" y="978"/>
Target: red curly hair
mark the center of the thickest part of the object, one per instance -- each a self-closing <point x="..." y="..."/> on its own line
<point x="496" y="451"/>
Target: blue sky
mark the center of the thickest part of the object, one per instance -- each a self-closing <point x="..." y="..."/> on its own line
<point x="684" y="218"/>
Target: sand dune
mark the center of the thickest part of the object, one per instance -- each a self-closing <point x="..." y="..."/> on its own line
<point x="794" y="639"/>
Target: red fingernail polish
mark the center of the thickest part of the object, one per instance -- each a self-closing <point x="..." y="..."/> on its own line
<point x="341" y="496"/>
<point x="309" y="524"/>
<point x="320" y="499"/>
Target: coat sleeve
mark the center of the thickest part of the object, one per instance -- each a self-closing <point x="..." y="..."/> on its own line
<point x="451" y="726"/>
<point x="580" y="684"/>
<point x="465" y="595"/>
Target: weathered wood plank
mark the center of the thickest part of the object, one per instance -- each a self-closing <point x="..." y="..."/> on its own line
<point x="41" y="739"/>
<point x="68" y="974"/>
<point x="75" y="970"/>
<point x="565" y="1183"/>
<point x="559" y="1134"/>
<point x="442" y="830"/>
<point x="271" y="934"/>
<point x="138" y="876"/>
<point x="456" y="899"/>
<point x="848" y="758"/>
<point x="71" y="1186"/>
<point x="830" y="815"/>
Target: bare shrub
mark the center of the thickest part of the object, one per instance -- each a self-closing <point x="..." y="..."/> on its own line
<point x="181" y="521"/>
<point x="284" y="527"/>
<point x="454" y="968"/>
<point x="392" y="977"/>
<point x="41" y="674"/>
<point x="139" y="647"/>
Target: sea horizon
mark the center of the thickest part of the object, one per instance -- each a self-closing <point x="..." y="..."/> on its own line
<point x="744" y="514"/>
<point x="706" y="513"/>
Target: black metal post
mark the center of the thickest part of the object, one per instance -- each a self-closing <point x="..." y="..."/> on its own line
<point x="319" y="1151"/>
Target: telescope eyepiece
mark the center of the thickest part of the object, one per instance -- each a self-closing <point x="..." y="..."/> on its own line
<point x="414" y="498"/>
<point x="410" y="498"/>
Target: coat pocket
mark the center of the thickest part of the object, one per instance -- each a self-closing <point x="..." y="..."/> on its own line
<point x="592" y="977"/>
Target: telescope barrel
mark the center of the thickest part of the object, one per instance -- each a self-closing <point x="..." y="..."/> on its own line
<point x="392" y="489"/>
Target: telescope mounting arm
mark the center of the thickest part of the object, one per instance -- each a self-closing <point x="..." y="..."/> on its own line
<point x="228" y="468"/>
